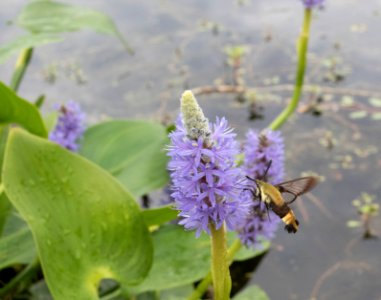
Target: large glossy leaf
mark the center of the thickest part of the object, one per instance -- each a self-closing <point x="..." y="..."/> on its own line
<point x="252" y="292"/>
<point x="247" y="253"/>
<point x="133" y="151"/>
<point x="25" y="41"/>
<point x="55" y="17"/>
<point x="179" y="259"/>
<point x="178" y="293"/>
<point x="3" y="141"/>
<point x="5" y="208"/>
<point x="160" y="215"/>
<point x="244" y="252"/>
<point x="17" y="110"/>
<point x="85" y="225"/>
<point x="16" y="245"/>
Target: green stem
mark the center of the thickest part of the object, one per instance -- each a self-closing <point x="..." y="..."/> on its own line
<point x="233" y="250"/>
<point x="220" y="264"/>
<point x="203" y="285"/>
<point x="22" y="279"/>
<point x="1" y="188"/>
<point x="20" y="68"/>
<point x="302" y="63"/>
<point x="129" y="49"/>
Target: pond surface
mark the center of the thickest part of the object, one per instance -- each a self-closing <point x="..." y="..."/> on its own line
<point x="179" y="45"/>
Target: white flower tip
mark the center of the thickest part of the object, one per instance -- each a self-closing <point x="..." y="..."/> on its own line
<point x="194" y="120"/>
<point x="188" y="97"/>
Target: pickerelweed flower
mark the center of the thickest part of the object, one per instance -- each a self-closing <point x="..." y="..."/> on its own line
<point x="312" y="3"/>
<point x="206" y="182"/>
<point x="259" y="150"/>
<point x="70" y="126"/>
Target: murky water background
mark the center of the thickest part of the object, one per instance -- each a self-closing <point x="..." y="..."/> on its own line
<point x="179" y="44"/>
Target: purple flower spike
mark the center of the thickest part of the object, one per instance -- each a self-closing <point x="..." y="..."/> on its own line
<point x="70" y="126"/>
<point x="259" y="150"/>
<point x="312" y="3"/>
<point x="259" y="226"/>
<point x="206" y="182"/>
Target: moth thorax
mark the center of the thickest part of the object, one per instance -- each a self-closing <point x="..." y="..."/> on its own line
<point x="266" y="198"/>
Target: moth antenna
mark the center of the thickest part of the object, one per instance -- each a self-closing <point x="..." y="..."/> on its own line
<point x="268" y="168"/>
<point x="252" y="179"/>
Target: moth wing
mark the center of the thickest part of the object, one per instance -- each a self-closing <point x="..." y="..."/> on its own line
<point x="298" y="186"/>
<point x="288" y="197"/>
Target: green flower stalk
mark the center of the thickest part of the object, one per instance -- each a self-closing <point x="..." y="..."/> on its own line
<point x="203" y="285"/>
<point x="302" y="63"/>
<point x="220" y="264"/>
<point x="20" y="68"/>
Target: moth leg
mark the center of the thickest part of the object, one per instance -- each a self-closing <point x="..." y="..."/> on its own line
<point x="268" y="208"/>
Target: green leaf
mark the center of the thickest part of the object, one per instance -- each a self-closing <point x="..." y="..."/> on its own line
<point x="17" y="110"/>
<point x="179" y="259"/>
<point x="159" y="216"/>
<point x="55" y="17"/>
<point x="13" y="223"/>
<point x="3" y="141"/>
<point x="85" y="225"/>
<point x="17" y="247"/>
<point x="178" y="293"/>
<point x="26" y="41"/>
<point x="252" y="292"/>
<point x="50" y="120"/>
<point x="358" y="114"/>
<point x="246" y="253"/>
<point x="133" y="151"/>
<point x="5" y="208"/>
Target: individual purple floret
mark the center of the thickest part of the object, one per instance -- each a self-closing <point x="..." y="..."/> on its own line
<point x="259" y="150"/>
<point x="70" y="126"/>
<point x="312" y="3"/>
<point x="206" y="182"/>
